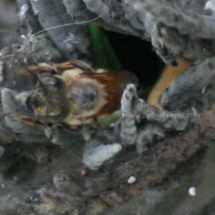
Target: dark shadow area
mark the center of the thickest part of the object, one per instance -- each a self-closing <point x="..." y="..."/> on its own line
<point x="137" y="55"/>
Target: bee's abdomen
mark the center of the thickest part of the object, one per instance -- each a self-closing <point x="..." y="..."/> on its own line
<point x="85" y="96"/>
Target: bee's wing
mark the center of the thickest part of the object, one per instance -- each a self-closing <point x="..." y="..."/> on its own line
<point x="55" y="68"/>
<point x="81" y="65"/>
<point x="41" y="68"/>
<point x="75" y="64"/>
<point x="29" y="121"/>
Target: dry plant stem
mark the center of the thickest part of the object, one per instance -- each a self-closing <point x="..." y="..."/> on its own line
<point x="142" y="21"/>
<point x="112" y="15"/>
<point x="78" y="11"/>
<point x="200" y="74"/>
<point x="186" y="22"/>
<point x="123" y="17"/>
<point x="134" y="108"/>
<point x="82" y="16"/>
<point x="52" y="14"/>
<point x="197" y="5"/>
<point x="168" y="41"/>
<point x="33" y="48"/>
<point x="128" y="128"/>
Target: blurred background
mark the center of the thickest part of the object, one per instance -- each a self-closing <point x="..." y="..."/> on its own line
<point x="8" y="22"/>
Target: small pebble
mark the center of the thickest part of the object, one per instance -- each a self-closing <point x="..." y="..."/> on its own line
<point x="131" y="180"/>
<point x="192" y="191"/>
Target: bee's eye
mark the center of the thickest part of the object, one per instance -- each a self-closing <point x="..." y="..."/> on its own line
<point x="29" y="103"/>
<point x="35" y="100"/>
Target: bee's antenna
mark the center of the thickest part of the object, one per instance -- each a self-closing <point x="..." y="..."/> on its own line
<point x="38" y="79"/>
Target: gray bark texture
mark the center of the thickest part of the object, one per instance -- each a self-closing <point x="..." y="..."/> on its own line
<point x="102" y="170"/>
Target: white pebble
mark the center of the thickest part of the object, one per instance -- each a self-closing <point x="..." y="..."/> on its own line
<point x="131" y="180"/>
<point x="210" y="5"/>
<point x="22" y="12"/>
<point x="96" y="154"/>
<point x="192" y="191"/>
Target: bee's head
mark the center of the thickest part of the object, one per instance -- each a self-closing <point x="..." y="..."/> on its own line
<point x="48" y="100"/>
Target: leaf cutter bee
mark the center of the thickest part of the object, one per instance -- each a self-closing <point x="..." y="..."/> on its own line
<point x="73" y="93"/>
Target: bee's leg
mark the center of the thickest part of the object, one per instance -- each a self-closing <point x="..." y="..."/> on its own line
<point x="88" y="131"/>
<point x="37" y="69"/>
<point x="95" y="122"/>
<point x="91" y="130"/>
<point x="61" y="136"/>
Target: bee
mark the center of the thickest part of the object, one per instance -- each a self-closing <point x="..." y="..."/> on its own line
<point x="73" y="93"/>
